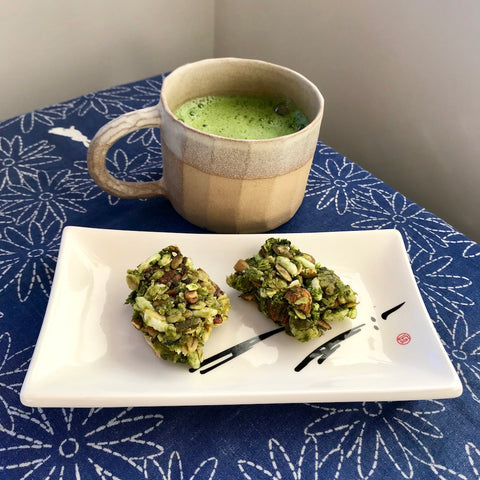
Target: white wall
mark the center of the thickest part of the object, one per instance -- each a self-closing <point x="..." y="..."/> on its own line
<point x="54" y="50"/>
<point x="401" y="83"/>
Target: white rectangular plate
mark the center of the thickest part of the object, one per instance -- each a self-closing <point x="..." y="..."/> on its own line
<point x="89" y="355"/>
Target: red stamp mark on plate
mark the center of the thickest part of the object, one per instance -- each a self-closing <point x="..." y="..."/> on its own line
<point x="403" y="338"/>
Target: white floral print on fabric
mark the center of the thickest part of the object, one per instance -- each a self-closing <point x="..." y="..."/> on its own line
<point x="148" y="92"/>
<point x="464" y="352"/>
<point x="67" y="444"/>
<point x="473" y="453"/>
<point x="18" y="159"/>
<point x="109" y="103"/>
<point x="471" y="249"/>
<point x="281" y="465"/>
<point x="420" y="228"/>
<point x="338" y="182"/>
<point x="13" y="367"/>
<point x="129" y="168"/>
<point x="43" y="197"/>
<point x="27" y="259"/>
<point x="441" y="288"/>
<point x="142" y="167"/>
<point x="175" y="470"/>
<point x="148" y="137"/>
<point x="46" y="116"/>
<point x="377" y="433"/>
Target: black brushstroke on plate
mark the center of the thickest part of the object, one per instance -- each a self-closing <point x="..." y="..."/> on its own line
<point x="321" y="353"/>
<point x="392" y="310"/>
<point x="324" y="351"/>
<point x="235" y="351"/>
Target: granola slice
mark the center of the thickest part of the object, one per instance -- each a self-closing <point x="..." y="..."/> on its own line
<point x="175" y="305"/>
<point x="293" y="290"/>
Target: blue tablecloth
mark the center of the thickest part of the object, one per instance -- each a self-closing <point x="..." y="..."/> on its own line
<point x="45" y="185"/>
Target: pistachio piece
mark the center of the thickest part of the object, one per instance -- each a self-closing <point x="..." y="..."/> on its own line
<point x="248" y="296"/>
<point x="133" y="281"/>
<point x="283" y="272"/>
<point x="330" y="289"/>
<point x="309" y="258"/>
<point x="176" y="261"/>
<point x="286" y="263"/>
<point x="191" y="296"/>
<point x="240" y="266"/>
<point x="137" y="323"/>
<point x="300" y="314"/>
<point x="283" y="250"/>
<point x="309" y="273"/>
<point x="300" y="298"/>
<point x="324" y="324"/>
<point x="302" y="260"/>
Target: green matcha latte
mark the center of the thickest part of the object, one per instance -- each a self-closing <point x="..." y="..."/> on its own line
<point x="242" y="116"/>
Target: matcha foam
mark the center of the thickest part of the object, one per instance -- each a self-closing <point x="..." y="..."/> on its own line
<point x="243" y="117"/>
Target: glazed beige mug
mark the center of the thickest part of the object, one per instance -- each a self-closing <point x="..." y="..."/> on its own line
<point x="222" y="184"/>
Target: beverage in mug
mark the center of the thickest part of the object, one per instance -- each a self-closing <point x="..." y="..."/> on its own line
<point x="228" y="185"/>
<point x="243" y="116"/>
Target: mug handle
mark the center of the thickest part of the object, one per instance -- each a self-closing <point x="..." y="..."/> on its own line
<point x="105" y="138"/>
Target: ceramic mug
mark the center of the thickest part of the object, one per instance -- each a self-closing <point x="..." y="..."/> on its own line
<point x="222" y="184"/>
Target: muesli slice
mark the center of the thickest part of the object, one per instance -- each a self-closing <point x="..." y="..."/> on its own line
<point x="175" y="305"/>
<point x="293" y="290"/>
